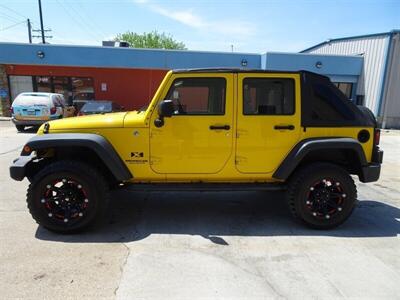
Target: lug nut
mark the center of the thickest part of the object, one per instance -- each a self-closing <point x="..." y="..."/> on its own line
<point x="65" y="220"/>
<point x="48" y="186"/>
<point x="50" y="215"/>
<point x="67" y="199"/>
<point x="43" y="200"/>
<point x="314" y="214"/>
<point x="86" y="200"/>
<point x="327" y="216"/>
<point x="344" y="195"/>
<point x="80" y="214"/>
<point x="311" y="188"/>
<point x="64" y="180"/>
<point x="308" y="202"/>
<point x="339" y="208"/>
<point x="79" y="186"/>
<point x="337" y="183"/>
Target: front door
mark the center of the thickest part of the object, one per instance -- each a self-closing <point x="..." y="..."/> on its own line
<point x="198" y="138"/>
<point x="268" y="120"/>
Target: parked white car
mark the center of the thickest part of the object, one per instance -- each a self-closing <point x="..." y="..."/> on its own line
<point x="34" y="109"/>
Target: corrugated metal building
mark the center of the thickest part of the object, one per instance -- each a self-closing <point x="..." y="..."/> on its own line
<point x="379" y="83"/>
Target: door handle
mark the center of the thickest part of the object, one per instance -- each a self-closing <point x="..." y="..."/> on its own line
<point x="220" y="127"/>
<point x="284" y="127"/>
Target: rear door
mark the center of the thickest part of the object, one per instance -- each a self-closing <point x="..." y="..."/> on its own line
<point x="268" y="120"/>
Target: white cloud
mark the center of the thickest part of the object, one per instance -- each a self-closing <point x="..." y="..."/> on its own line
<point x="189" y="18"/>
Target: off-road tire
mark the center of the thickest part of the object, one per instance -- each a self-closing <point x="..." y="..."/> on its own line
<point x="88" y="178"/>
<point x="20" y="128"/>
<point x="299" y="195"/>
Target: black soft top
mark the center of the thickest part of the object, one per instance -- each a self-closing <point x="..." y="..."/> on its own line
<point x="241" y="70"/>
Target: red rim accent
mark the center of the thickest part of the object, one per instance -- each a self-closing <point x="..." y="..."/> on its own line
<point x="65" y="200"/>
<point x="325" y="198"/>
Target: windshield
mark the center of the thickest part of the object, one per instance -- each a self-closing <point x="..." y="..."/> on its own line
<point x="97" y="107"/>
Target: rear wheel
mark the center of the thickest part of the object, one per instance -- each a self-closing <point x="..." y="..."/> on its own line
<point x="322" y="195"/>
<point x="67" y="196"/>
<point x="20" y="127"/>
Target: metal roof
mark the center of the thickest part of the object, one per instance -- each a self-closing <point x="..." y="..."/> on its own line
<point x="351" y="38"/>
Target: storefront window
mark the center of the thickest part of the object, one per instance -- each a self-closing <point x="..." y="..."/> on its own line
<point x="20" y="84"/>
<point x="82" y="88"/>
<point x="42" y="84"/>
<point x="73" y="88"/>
<point x="61" y="85"/>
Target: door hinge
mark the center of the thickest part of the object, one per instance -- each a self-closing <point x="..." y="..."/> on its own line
<point x="239" y="159"/>
<point x="154" y="160"/>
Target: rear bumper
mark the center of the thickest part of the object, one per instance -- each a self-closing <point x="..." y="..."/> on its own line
<point x="19" y="167"/>
<point x="372" y="171"/>
<point x="28" y="122"/>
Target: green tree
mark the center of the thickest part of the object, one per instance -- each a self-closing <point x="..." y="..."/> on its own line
<point x="152" y="39"/>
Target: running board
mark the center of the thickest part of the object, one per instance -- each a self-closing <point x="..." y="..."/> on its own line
<point x="214" y="187"/>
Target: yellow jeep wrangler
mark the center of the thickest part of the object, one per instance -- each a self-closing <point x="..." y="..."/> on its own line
<point x="208" y="129"/>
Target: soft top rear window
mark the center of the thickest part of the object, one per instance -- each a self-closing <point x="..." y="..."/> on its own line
<point x="324" y="105"/>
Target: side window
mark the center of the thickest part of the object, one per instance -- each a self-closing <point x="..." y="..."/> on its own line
<point x="198" y="96"/>
<point x="327" y="104"/>
<point x="268" y="96"/>
<point x="62" y="100"/>
<point x="56" y="101"/>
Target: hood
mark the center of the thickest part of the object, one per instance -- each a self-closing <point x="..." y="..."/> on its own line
<point x="111" y="120"/>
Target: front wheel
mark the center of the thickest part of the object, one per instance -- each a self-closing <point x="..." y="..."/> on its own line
<point x="322" y="195"/>
<point x="67" y="196"/>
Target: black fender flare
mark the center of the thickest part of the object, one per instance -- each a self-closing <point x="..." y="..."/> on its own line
<point x="297" y="154"/>
<point x="95" y="142"/>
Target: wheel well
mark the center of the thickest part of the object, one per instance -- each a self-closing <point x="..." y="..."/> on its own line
<point x="82" y="154"/>
<point x="346" y="158"/>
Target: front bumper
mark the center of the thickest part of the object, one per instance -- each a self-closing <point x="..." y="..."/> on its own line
<point x="18" y="170"/>
<point x="372" y="171"/>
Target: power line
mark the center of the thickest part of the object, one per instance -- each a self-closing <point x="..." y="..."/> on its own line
<point x="79" y="23"/>
<point x="14" y="11"/>
<point x="8" y="17"/>
<point x="95" y="29"/>
<point x="11" y="26"/>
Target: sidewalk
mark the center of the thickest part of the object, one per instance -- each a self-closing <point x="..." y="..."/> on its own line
<point x="5" y="118"/>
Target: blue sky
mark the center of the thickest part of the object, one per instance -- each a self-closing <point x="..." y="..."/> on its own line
<point x="250" y="26"/>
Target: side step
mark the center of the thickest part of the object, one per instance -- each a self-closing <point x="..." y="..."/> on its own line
<point x="214" y="187"/>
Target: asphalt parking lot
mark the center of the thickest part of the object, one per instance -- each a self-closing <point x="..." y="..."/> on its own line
<point x="202" y="245"/>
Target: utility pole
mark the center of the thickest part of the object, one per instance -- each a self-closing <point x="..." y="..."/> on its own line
<point x="29" y="31"/>
<point x="41" y="21"/>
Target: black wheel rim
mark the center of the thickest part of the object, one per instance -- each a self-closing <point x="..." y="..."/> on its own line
<point x="325" y="198"/>
<point x="65" y="200"/>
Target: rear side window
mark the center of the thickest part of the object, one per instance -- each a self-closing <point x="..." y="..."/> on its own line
<point x="327" y="104"/>
<point x="268" y="96"/>
<point x="324" y="105"/>
<point x="198" y="96"/>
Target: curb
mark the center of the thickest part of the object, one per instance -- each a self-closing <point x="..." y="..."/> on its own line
<point x="5" y="119"/>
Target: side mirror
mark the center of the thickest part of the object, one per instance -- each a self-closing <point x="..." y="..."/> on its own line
<point x="166" y="109"/>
